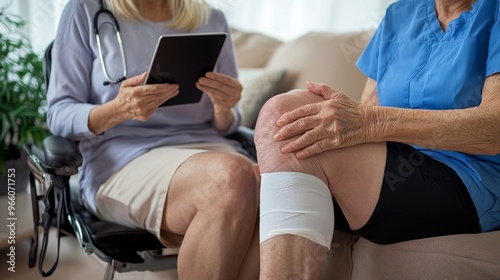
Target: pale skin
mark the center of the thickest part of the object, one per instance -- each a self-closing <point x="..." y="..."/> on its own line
<point x="321" y="132"/>
<point x="213" y="214"/>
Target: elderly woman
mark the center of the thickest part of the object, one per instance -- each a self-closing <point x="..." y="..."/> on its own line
<point x="168" y="170"/>
<point x="419" y="157"/>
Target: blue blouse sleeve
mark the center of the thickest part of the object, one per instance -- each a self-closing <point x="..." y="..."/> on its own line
<point x="368" y="61"/>
<point x="493" y="62"/>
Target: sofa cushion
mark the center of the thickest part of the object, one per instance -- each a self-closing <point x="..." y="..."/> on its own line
<point x="252" y="49"/>
<point x="338" y="261"/>
<point x="258" y="86"/>
<point x="463" y="256"/>
<point x="322" y="57"/>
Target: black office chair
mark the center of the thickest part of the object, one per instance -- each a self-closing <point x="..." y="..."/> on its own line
<point x="122" y="248"/>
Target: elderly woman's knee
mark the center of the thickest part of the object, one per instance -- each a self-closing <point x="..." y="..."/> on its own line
<point x="268" y="150"/>
<point x="269" y="114"/>
<point x="282" y="103"/>
<point x="266" y="123"/>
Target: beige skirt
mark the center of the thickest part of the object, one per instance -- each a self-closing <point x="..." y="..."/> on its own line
<point x="135" y="195"/>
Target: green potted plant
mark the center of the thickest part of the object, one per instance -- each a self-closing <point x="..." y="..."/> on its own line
<point x="22" y="96"/>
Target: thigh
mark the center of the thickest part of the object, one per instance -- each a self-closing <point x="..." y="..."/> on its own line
<point x="420" y="198"/>
<point x="135" y="195"/>
<point x="204" y="183"/>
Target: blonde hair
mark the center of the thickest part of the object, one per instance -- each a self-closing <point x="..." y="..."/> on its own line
<point x="186" y="14"/>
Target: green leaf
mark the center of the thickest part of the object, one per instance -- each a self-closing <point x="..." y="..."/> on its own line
<point x="6" y="107"/>
<point x="29" y="136"/>
<point x="19" y="110"/>
<point x="5" y="125"/>
<point x="31" y="114"/>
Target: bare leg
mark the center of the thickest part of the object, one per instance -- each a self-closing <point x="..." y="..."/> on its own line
<point x="354" y="176"/>
<point x="250" y="267"/>
<point x="215" y="210"/>
<point x="291" y="257"/>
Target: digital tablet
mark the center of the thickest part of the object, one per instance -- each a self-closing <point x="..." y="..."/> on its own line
<point x="183" y="59"/>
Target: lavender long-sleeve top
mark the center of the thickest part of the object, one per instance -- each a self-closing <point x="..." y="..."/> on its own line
<point x="76" y="87"/>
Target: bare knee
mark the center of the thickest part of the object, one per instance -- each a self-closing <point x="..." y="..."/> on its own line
<point x="269" y="154"/>
<point x="233" y="183"/>
<point x="269" y="114"/>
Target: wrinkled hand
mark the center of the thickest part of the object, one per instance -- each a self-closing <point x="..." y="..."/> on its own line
<point x="337" y="122"/>
<point x="136" y="101"/>
<point x="223" y="90"/>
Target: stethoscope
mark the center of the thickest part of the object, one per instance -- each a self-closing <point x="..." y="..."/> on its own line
<point x="116" y="27"/>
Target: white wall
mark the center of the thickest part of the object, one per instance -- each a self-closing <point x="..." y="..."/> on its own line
<point x="287" y="19"/>
<point x="42" y="17"/>
<point x="283" y="19"/>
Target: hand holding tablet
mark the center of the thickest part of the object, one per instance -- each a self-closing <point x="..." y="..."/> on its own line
<point x="183" y="59"/>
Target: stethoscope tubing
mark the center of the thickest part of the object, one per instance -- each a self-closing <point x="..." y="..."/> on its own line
<point x="116" y="27"/>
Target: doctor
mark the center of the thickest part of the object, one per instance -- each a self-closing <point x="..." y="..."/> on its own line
<point x="168" y="170"/>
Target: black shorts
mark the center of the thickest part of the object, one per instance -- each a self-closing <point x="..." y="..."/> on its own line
<point x="420" y="197"/>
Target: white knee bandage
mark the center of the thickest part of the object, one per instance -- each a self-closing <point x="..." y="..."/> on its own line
<point x="297" y="204"/>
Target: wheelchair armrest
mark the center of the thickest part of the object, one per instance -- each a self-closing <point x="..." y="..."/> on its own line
<point x="244" y="136"/>
<point x="57" y="155"/>
<point x="61" y="152"/>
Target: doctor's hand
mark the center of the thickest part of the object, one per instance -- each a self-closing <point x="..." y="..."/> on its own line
<point x="337" y="122"/>
<point x="136" y="101"/>
<point x="223" y="90"/>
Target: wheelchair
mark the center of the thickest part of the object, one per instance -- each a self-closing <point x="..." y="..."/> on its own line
<point x="55" y="205"/>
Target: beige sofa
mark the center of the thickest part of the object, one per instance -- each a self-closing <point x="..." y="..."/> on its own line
<point x="268" y="67"/>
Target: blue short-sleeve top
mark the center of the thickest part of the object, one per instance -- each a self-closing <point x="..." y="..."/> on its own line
<point x="417" y="65"/>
